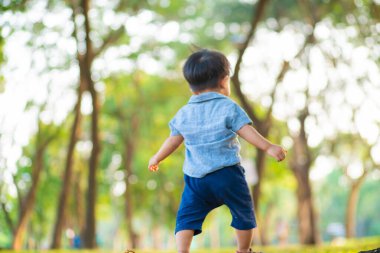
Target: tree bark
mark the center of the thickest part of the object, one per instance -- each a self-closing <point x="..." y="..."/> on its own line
<point x="300" y="165"/>
<point x="74" y="136"/>
<point x="29" y="200"/>
<point x="302" y="157"/>
<point x="90" y="226"/>
<point x="352" y="206"/>
<point x="306" y="213"/>
<point x="85" y="64"/>
<point x="28" y="203"/>
<point x="130" y="135"/>
<point x="260" y="166"/>
<point x="129" y="153"/>
<point x="67" y="176"/>
<point x="256" y="17"/>
<point x="8" y="218"/>
<point x="78" y="203"/>
<point x="89" y="233"/>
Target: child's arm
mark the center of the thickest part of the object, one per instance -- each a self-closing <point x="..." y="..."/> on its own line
<point x="250" y="134"/>
<point x="168" y="147"/>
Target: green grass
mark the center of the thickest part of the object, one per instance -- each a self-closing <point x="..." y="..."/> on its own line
<point x="350" y="246"/>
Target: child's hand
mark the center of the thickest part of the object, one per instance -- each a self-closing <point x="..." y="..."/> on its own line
<point x="153" y="164"/>
<point x="277" y="152"/>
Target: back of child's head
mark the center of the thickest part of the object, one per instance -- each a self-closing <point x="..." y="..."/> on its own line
<point x="204" y="69"/>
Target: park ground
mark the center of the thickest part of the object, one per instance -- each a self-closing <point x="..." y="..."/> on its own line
<point x="348" y="246"/>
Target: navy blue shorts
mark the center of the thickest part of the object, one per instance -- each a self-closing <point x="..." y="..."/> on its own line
<point x="226" y="186"/>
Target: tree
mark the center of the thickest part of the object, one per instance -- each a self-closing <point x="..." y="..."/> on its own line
<point x="356" y="167"/>
<point x="29" y="200"/>
<point x="129" y="126"/>
<point x="68" y="171"/>
<point x="44" y="136"/>
<point x="300" y="164"/>
<point x="86" y="83"/>
<point x="264" y="124"/>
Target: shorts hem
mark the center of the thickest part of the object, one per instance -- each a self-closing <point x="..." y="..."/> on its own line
<point x="245" y="226"/>
<point x="197" y="231"/>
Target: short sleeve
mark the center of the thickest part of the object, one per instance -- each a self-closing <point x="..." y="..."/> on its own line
<point x="238" y="118"/>
<point x="173" y="129"/>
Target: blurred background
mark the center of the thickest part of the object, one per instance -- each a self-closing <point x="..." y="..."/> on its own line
<point x="87" y="89"/>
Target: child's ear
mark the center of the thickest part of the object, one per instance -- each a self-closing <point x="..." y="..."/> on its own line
<point x="224" y="82"/>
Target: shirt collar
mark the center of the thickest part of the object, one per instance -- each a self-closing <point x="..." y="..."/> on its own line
<point x="205" y="96"/>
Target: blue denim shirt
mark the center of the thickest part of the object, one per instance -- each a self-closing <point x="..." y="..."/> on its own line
<point x="208" y="124"/>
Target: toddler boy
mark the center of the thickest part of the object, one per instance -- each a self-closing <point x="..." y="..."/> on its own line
<point x="209" y="125"/>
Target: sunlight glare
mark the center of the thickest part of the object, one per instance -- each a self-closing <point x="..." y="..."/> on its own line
<point x="118" y="188"/>
<point x="322" y="167"/>
<point x="355" y="169"/>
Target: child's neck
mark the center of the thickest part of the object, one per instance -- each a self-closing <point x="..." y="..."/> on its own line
<point x="208" y="90"/>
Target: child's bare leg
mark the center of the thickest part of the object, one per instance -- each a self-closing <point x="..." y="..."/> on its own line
<point x="244" y="239"/>
<point x="183" y="240"/>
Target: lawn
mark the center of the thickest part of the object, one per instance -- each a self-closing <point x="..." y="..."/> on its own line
<point x="350" y="246"/>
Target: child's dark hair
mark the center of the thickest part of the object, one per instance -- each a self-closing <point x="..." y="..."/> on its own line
<point x="205" y="68"/>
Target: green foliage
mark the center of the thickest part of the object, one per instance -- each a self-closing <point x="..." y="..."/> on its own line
<point x="154" y="99"/>
<point x="368" y="206"/>
<point x="12" y="5"/>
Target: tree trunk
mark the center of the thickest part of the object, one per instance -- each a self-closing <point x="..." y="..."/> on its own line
<point x="300" y="165"/>
<point x="90" y="226"/>
<point x="306" y="213"/>
<point x="260" y="162"/>
<point x="352" y="206"/>
<point x="8" y="218"/>
<point x="74" y="136"/>
<point x="67" y="177"/>
<point x="78" y="203"/>
<point x="256" y="192"/>
<point x="129" y="153"/>
<point x="85" y="64"/>
<point x="89" y="233"/>
<point x="264" y="125"/>
<point x="29" y="200"/>
<point x="130" y="135"/>
<point x="302" y="160"/>
<point x="260" y="166"/>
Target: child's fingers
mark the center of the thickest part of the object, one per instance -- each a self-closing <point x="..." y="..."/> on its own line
<point x="153" y="167"/>
<point x="281" y="157"/>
